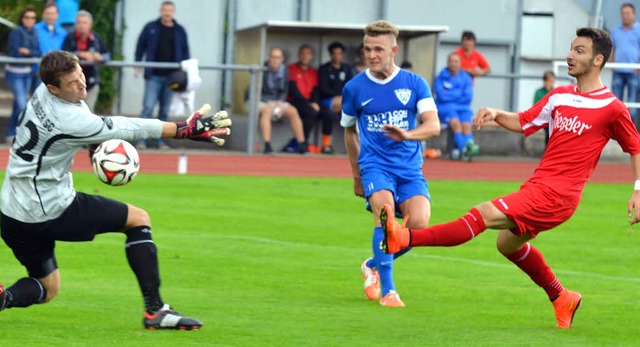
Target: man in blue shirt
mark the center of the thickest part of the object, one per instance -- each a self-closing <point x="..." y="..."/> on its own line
<point x="385" y="103"/>
<point x="626" y="49"/>
<point x="50" y="32"/>
<point x="454" y="93"/>
<point x="50" y="36"/>
<point x="68" y="10"/>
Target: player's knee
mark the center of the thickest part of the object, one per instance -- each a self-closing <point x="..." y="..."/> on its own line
<point x="52" y="293"/>
<point x="509" y="243"/>
<point x="418" y="222"/>
<point x="137" y="217"/>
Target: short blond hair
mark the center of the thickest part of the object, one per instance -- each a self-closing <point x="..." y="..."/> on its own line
<point x="381" y="27"/>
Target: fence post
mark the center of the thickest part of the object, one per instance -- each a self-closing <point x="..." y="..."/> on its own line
<point x="255" y="75"/>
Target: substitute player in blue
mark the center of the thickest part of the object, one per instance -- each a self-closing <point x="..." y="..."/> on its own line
<point x="385" y="103"/>
<point x="454" y="93"/>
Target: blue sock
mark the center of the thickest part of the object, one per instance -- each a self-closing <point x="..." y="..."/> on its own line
<point x="371" y="263"/>
<point x="459" y="140"/>
<point x="469" y="137"/>
<point x="383" y="261"/>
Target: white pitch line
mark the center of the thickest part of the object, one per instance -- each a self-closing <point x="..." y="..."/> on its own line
<point x="428" y="256"/>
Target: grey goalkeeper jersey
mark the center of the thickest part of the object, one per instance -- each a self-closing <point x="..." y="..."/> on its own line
<point x="38" y="185"/>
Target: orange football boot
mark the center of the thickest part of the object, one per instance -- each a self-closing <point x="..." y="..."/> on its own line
<point x="565" y="307"/>
<point x="396" y="236"/>
<point x="371" y="281"/>
<point x="392" y="299"/>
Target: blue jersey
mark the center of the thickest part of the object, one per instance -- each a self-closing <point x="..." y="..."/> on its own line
<point x="372" y="103"/>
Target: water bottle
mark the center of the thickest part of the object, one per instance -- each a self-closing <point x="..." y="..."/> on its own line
<point x="182" y="164"/>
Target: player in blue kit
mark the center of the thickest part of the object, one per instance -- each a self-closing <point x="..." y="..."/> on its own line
<point x="380" y="113"/>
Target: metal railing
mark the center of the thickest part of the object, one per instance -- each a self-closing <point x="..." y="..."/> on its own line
<point x="255" y="75"/>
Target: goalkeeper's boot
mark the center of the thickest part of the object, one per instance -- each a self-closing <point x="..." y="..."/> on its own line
<point x="565" y="306"/>
<point x="166" y="318"/>
<point x="371" y="281"/>
<point x="396" y="237"/>
<point x="392" y="299"/>
<point x="3" y="297"/>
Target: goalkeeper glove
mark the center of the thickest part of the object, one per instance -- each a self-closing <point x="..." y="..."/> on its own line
<point x="201" y="126"/>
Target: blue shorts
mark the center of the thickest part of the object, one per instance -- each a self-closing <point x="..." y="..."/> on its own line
<point x="402" y="184"/>
<point x="326" y="102"/>
<point x="462" y="113"/>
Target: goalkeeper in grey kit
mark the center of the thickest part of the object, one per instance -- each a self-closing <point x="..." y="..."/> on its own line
<point x="39" y="205"/>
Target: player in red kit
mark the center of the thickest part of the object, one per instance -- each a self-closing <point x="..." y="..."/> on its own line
<point x="581" y="118"/>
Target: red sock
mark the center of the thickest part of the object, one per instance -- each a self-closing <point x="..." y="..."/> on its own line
<point x="452" y="233"/>
<point x="531" y="261"/>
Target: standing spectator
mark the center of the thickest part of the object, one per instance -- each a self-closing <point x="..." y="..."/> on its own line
<point x="585" y="116"/>
<point x="381" y="109"/>
<point x="472" y="61"/>
<point x="50" y="36"/>
<point x="548" y="82"/>
<point x="454" y="93"/>
<point x="333" y="76"/>
<point x="161" y="40"/>
<point x="23" y="43"/>
<point x="303" y="90"/>
<point x="91" y="50"/>
<point x="626" y="49"/>
<point x="68" y="10"/>
<point x="273" y="105"/>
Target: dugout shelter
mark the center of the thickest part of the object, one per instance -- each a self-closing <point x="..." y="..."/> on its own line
<point x="417" y="44"/>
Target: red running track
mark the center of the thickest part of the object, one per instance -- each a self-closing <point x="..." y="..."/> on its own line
<point x="226" y="163"/>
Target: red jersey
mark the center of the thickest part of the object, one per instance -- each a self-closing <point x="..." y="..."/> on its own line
<point x="306" y="80"/>
<point x="580" y="125"/>
<point x="472" y="62"/>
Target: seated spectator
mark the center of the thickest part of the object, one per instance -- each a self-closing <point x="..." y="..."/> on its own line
<point x="303" y="92"/>
<point x="361" y="64"/>
<point x="332" y="77"/>
<point x="472" y="61"/>
<point x="90" y="48"/>
<point x="454" y="93"/>
<point x="23" y="43"/>
<point x="273" y="106"/>
<point x="548" y="82"/>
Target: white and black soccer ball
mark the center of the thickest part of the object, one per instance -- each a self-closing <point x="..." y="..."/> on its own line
<point x="115" y="162"/>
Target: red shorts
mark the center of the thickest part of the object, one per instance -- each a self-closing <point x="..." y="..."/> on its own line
<point x="534" y="208"/>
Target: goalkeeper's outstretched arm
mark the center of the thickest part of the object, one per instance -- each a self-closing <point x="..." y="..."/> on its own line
<point x="200" y="126"/>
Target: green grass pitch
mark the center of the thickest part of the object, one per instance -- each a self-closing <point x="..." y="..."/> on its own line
<point x="275" y="262"/>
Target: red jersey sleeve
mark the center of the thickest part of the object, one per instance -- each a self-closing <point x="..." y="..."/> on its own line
<point x="624" y="131"/>
<point x="538" y="116"/>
